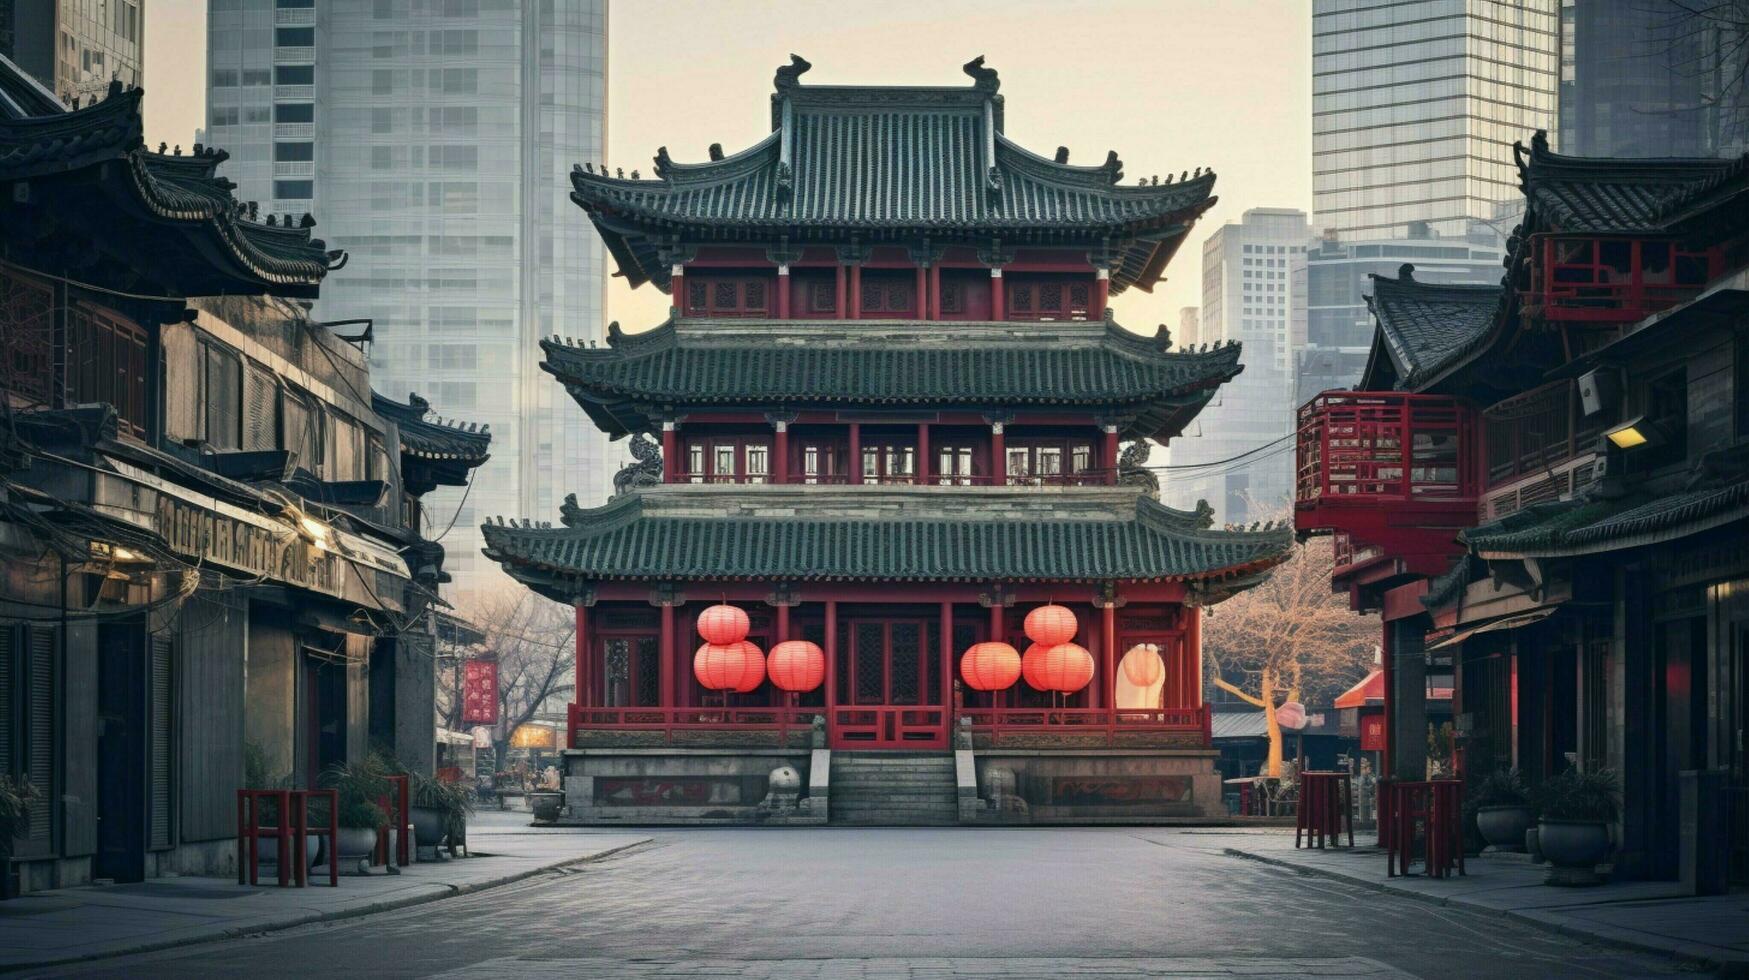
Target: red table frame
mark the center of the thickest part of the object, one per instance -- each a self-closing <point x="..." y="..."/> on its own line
<point x="291" y="829"/>
<point x="395" y="804"/>
<point x="1434" y="806"/>
<point x="1326" y="804"/>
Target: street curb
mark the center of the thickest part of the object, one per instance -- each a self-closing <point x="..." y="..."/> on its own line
<point x="1735" y="966"/>
<point x="304" y="919"/>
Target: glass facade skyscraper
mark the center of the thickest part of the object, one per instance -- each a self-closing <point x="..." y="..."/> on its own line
<point x="433" y="140"/>
<point x="76" y="47"/>
<point x="1415" y="106"/>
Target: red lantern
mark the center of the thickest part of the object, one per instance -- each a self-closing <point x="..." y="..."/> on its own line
<point x="796" y="665"/>
<point x="990" y="666"/>
<point x="1051" y="625"/>
<point x="1064" y="667"/>
<point x="725" y="667"/>
<point x="752" y="666"/>
<point x="723" y="624"/>
<point x="1142" y="666"/>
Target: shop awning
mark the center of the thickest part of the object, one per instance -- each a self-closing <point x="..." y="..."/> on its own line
<point x="1503" y="623"/>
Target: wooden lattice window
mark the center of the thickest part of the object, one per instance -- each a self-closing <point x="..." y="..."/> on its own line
<point x="1032" y="297"/>
<point x="27" y="340"/>
<point x="888" y="295"/>
<point x="107" y="363"/>
<point x="822" y="297"/>
<point x="727" y="296"/>
<point x="953" y="296"/>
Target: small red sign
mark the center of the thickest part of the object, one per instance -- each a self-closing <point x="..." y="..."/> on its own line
<point x="480" y="692"/>
<point x="1372" y="732"/>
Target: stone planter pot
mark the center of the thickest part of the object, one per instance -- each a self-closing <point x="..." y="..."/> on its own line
<point x="429" y="824"/>
<point x="357" y="842"/>
<point x="1503" y="827"/>
<point x="268" y="849"/>
<point x="1533" y="845"/>
<point x="546" y="805"/>
<point x="1574" y="848"/>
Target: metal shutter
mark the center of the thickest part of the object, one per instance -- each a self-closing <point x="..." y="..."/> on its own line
<point x="159" y="746"/>
<point x="260" y="409"/>
<point x="40" y="737"/>
<point x="7" y="652"/>
<point x="224" y="398"/>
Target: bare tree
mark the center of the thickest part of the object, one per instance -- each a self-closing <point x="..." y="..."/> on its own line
<point x="1288" y="639"/>
<point x="1705" y="42"/>
<point x="533" y="641"/>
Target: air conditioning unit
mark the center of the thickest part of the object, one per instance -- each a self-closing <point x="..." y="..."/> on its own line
<point x="1598" y="389"/>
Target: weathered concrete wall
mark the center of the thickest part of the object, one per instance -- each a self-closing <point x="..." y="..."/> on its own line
<point x="415" y="702"/>
<point x="1098" y="785"/>
<point x="680" y="786"/>
<point x="270" y="692"/>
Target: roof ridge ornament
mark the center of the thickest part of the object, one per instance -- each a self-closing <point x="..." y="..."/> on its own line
<point x="790" y="76"/>
<point x="983" y="79"/>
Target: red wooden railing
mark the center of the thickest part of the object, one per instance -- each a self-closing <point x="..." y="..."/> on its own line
<point x="1371" y="447"/>
<point x="1096" y="477"/>
<point x="672" y="720"/>
<point x="1000" y="722"/>
<point x="1615" y="279"/>
<point x="891" y="726"/>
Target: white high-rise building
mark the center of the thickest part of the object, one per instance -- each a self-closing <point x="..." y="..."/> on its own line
<point x="1416" y="104"/>
<point x="1250" y="291"/>
<point x="433" y="140"/>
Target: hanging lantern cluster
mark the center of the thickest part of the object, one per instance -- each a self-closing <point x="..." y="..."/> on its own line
<point x="1052" y="663"/>
<point x="728" y="661"/>
<point x="796" y="666"/>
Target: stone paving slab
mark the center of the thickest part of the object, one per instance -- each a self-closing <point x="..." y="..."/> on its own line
<point x="924" y="968"/>
<point x="71" y="924"/>
<point x="1653" y="916"/>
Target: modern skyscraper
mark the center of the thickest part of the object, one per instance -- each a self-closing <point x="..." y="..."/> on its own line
<point x="1248" y="295"/>
<point x="1189" y="326"/>
<point x="76" y="48"/>
<point x="1339" y="329"/>
<point x="1653" y="78"/>
<point x="1415" y="106"/>
<point x="433" y="139"/>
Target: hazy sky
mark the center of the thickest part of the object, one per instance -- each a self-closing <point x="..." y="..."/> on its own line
<point x="1171" y="85"/>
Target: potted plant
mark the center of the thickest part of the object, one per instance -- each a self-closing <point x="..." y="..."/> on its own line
<point x="437" y="808"/>
<point x="1577" y="810"/>
<point x="257" y="774"/>
<point x="16" y="799"/>
<point x="360" y="817"/>
<point x="1503" y="811"/>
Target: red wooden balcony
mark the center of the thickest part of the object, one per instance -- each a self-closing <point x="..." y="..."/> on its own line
<point x="1615" y="280"/>
<point x="1375" y="464"/>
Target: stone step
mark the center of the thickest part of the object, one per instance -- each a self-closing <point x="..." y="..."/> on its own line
<point x="886" y="778"/>
<point x="896" y="818"/>
<point x="863" y="799"/>
<point x="929" y="767"/>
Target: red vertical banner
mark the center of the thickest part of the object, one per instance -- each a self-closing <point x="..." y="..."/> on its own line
<point x="480" y="692"/>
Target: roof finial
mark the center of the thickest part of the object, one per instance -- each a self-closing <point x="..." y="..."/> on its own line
<point x="163" y="147"/>
<point x="634" y="175"/>
<point x="619" y="172"/>
<point x="1406" y="272"/>
<point x="983" y="79"/>
<point x="716" y="151"/>
<point x="790" y="76"/>
<point x="663" y="162"/>
<point x="1062" y="154"/>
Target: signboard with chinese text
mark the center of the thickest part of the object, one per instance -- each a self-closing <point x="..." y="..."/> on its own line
<point x="480" y="692"/>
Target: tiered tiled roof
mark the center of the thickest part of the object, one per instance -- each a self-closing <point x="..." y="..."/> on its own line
<point x="177" y="219"/>
<point x="791" y="364"/>
<point x="1423" y="327"/>
<point x="1589" y="526"/>
<point x="1604" y="195"/>
<point x="921" y="534"/>
<point x="434" y="452"/>
<point x="891" y="163"/>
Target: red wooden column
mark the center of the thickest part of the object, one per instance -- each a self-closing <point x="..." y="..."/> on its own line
<point x="780" y="465"/>
<point x="1386" y="654"/>
<point x="923" y="454"/>
<point x="933" y="310"/>
<point x="783" y="291"/>
<point x="1193" y="656"/>
<point x="855" y="475"/>
<point x="996" y="310"/>
<point x="782" y="625"/>
<point x="670" y="452"/>
<point x="1101" y="293"/>
<point x="998" y="634"/>
<point x="677" y="289"/>
<point x="1108" y="639"/>
<point x="998" y="456"/>
<point x="947" y="659"/>
<point x="923" y="292"/>
<point x="831" y="668"/>
<point x="582" y="690"/>
<point x="1109" y="453"/>
<point x="855" y="298"/>
<point x="838" y="311"/>
<point x="667" y="673"/>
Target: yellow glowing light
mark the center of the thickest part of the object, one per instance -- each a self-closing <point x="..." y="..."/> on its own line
<point x="314" y="528"/>
<point x="123" y="554"/>
<point x="1627" y="437"/>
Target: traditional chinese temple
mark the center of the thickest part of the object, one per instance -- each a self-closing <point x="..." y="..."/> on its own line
<point x="1543" y="486"/>
<point x="892" y="409"/>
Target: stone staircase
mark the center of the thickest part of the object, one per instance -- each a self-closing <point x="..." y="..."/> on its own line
<point x="894" y="789"/>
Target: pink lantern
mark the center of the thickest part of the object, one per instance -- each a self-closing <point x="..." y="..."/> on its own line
<point x="1142" y="666"/>
<point x="752" y="666"/>
<point x="796" y="665"/>
<point x="723" y="624"/>
<point x="1064" y="667"/>
<point x="991" y="666"/>
<point x="1050" y="625"/>
<point x="1029" y="665"/>
<point x="725" y="666"/>
<point x="1291" y="714"/>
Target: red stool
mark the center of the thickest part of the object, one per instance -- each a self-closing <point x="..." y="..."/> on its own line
<point x="250" y="832"/>
<point x="328" y="829"/>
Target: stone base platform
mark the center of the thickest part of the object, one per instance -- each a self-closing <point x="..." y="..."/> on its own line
<point x="692" y="786"/>
<point x="1090" y="786"/>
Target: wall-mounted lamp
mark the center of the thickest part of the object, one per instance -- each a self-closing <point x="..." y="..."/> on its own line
<point x="1635" y="433"/>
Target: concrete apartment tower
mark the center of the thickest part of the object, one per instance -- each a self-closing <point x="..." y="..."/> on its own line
<point x="1248" y="295"/>
<point x="433" y="140"/>
<point x="1415" y="106"/>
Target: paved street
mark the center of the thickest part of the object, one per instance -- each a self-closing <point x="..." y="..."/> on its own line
<point x="910" y="903"/>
